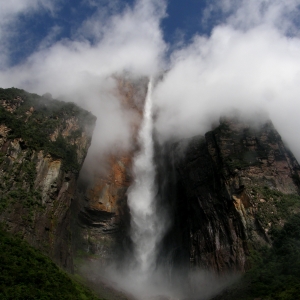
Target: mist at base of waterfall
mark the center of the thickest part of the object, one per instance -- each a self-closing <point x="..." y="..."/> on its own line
<point x="130" y="283"/>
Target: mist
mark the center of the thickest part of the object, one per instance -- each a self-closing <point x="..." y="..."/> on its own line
<point x="249" y="61"/>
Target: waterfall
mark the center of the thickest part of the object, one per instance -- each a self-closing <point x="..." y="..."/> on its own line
<point x="142" y="275"/>
<point x="145" y="230"/>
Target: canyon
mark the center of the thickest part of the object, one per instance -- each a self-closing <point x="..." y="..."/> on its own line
<point x="220" y="194"/>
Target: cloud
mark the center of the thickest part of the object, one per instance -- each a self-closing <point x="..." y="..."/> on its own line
<point x="10" y="9"/>
<point x="10" y="24"/>
<point x="248" y="63"/>
<point x="243" y="14"/>
<point x="80" y="69"/>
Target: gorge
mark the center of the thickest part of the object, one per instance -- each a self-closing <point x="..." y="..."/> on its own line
<point x="218" y="197"/>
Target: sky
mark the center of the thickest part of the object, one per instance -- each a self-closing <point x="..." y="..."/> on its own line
<point x="61" y="19"/>
<point x="215" y="55"/>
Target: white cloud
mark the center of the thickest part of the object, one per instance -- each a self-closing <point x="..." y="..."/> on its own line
<point x="10" y="24"/>
<point x="250" y="61"/>
<point x="251" y="67"/>
<point x="245" y="14"/>
<point x="129" y="41"/>
<point x="9" y="9"/>
<point x="80" y="70"/>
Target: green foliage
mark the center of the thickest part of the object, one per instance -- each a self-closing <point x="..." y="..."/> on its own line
<point x="29" y="172"/>
<point x="275" y="272"/>
<point x="277" y="206"/>
<point x="17" y="185"/>
<point x="247" y="147"/>
<point x="36" y="127"/>
<point x="25" y="273"/>
<point x="31" y="200"/>
<point x="9" y="94"/>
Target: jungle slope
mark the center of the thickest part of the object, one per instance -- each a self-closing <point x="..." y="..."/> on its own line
<point x="25" y="273"/>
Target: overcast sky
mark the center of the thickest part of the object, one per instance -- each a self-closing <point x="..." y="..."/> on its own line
<point x="219" y="55"/>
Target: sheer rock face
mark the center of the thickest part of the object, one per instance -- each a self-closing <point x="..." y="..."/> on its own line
<point x="103" y="212"/>
<point x="223" y="192"/>
<point x="227" y="191"/>
<point x="37" y="187"/>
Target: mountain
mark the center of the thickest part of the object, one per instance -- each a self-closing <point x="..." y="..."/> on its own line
<point x="230" y="197"/>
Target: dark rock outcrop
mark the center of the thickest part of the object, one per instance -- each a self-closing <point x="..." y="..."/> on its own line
<point x="225" y="192"/>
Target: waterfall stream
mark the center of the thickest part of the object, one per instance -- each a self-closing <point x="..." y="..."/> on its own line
<point x="145" y="230"/>
<point x="144" y="276"/>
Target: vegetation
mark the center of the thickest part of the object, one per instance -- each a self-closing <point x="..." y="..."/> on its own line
<point x="29" y="199"/>
<point x="25" y="273"/>
<point x="276" y="206"/>
<point x="17" y="185"/>
<point x="275" y="272"/>
<point x="246" y="147"/>
<point x="34" y="118"/>
<point x="38" y="122"/>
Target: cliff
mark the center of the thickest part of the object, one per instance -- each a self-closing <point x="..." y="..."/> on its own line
<point x="226" y="192"/>
<point x="43" y="143"/>
<point x="103" y="214"/>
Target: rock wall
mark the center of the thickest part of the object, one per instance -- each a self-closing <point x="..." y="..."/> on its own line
<point x="223" y="193"/>
<point x="38" y="174"/>
<point x="226" y="191"/>
<point x="102" y="210"/>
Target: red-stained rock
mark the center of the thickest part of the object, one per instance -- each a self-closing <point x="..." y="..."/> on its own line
<point x="103" y="213"/>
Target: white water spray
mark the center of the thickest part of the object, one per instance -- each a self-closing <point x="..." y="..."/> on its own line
<point x="145" y="230"/>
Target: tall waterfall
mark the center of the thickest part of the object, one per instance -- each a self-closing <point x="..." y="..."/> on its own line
<point x="140" y="276"/>
<point x="145" y="230"/>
